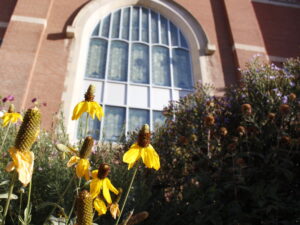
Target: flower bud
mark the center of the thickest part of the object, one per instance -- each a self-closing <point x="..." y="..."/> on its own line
<point x="90" y="93"/>
<point x="11" y="108"/>
<point x="84" y="208"/>
<point x="86" y="148"/>
<point x="28" y="130"/>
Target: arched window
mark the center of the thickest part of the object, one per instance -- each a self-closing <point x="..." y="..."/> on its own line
<point x="139" y="61"/>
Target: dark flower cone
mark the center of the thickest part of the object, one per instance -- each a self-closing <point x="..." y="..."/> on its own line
<point x="84" y="208"/>
<point x="11" y="108"/>
<point x="90" y="93"/>
<point x="86" y="148"/>
<point x="103" y="170"/>
<point x="144" y="136"/>
<point x="29" y="130"/>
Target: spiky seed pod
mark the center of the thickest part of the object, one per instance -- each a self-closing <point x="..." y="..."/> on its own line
<point x="90" y="93"/>
<point x="144" y="136"/>
<point x="28" y="130"/>
<point x="86" y="148"/>
<point x="11" y="108"/>
<point x="84" y="208"/>
<point x="103" y="170"/>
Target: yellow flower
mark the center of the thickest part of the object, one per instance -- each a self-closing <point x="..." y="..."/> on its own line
<point x="142" y="149"/>
<point x="11" y="116"/>
<point x="88" y="105"/>
<point x="101" y="184"/>
<point x="23" y="163"/>
<point x="83" y="164"/>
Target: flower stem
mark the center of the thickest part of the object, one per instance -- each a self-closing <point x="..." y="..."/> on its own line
<point x="74" y="201"/>
<point x="20" y="206"/>
<point x="5" y="136"/>
<point x="11" y="187"/>
<point x="127" y="194"/>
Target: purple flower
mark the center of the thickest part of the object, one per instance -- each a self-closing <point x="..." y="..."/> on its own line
<point x="292" y="84"/>
<point x="33" y="100"/>
<point x="4" y="100"/>
<point x="284" y="99"/>
<point x="10" y="98"/>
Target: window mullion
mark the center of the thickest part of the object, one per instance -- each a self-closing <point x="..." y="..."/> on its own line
<point x="150" y="68"/>
<point x="140" y="24"/>
<point x="100" y="28"/>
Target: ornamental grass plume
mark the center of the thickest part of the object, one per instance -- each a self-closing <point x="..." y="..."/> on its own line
<point x="84" y="208"/>
<point x="83" y="164"/>
<point x="142" y="149"/>
<point x="100" y="187"/>
<point x="11" y="116"/>
<point x="22" y="156"/>
<point x="88" y="105"/>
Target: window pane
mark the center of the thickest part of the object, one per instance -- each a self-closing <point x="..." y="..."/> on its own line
<point x="105" y="27"/>
<point x="182" y="69"/>
<point x="93" y="127"/>
<point x="158" y="119"/>
<point x="174" y="34"/>
<point x="96" y="30"/>
<point x="183" y="41"/>
<point x="137" y="118"/>
<point x="140" y="64"/>
<point x="164" y="30"/>
<point x="135" y="24"/>
<point x="118" y="61"/>
<point x="114" y="123"/>
<point x="154" y="27"/>
<point x="116" y="24"/>
<point x="96" y="59"/>
<point x="125" y="23"/>
<point x="145" y="24"/>
<point x="160" y="66"/>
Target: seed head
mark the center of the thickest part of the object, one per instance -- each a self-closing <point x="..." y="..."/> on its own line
<point x="90" y="93"/>
<point x="209" y="120"/>
<point x="271" y="116"/>
<point x="86" y="148"/>
<point x="11" y="108"/>
<point x="84" y="208"/>
<point x="241" y="130"/>
<point x="284" y="108"/>
<point x="223" y="131"/>
<point x="144" y="136"/>
<point x="246" y="109"/>
<point x="103" y="170"/>
<point x="292" y="96"/>
<point x="29" y="130"/>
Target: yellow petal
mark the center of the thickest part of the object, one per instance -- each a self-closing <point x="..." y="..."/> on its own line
<point x="95" y="174"/>
<point x="100" y="206"/>
<point x="73" y="160"/>
<point x="23" y="162"/>
<point x="78" y="110"/>
<point x="106" y="193"/>
<point x="110" y="186"/>
<point x="82" y="168"/>
<point x="6" y="119"/>
<point x="150" y="157"/>
<point x="98" y="110"/>
<point x="10" y="167"/>
<point x="114" y="210"/>
<point x="95" y="187"/>
<point x="91" y="109"/>
<point x="132" y="155"/>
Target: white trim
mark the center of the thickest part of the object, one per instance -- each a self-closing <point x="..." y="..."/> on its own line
<point x="291" y="5"/>
<point x="28" y="19"/>
<point x="252" y="48"/>
<point x="3" y="24"/>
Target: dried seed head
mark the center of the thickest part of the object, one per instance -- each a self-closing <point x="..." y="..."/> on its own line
<point x="209" y="120"/>
<point x="284" y="108"/>
<point x="11" y="108"/>
<point x="103" y="170"/>
<point x="285" y="140"/>
<point x="271" y="116"/>
<point x="292" y="96"/>
<point x="144" y="136"/>
<point x="90" y="93"/>
<point x="223" y="131"/>
<point x="84" y="208"/>
<point x="241" y="130"/>
<point x="29" y="129"/>
<point x="246" y="109"/>
<point x="138" y="218"/>
<point x="86" y="148"/>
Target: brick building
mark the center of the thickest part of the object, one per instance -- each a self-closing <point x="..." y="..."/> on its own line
<point x="140" y="54"/>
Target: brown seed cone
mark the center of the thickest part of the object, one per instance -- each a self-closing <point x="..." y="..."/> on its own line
<point x="103" y="170"/>
<point x="84" y="208"/>
<point x="90" y="93"/>
<point x="144" y="136"/>
<point x="11" y="108"/>
<point x="86" y="148"/>
<point x="28" y="130"/>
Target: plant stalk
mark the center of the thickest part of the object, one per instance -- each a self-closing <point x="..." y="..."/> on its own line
<point x="11" y="187"/>
<point x="5" y="136"/>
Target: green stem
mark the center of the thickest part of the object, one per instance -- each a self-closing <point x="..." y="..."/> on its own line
<point x="11" y="187"/>
<point x="28" y="211"/>
<point x="127" y="194"/>
<point x="74" y="201"/>
<point x="5" y="136"/>
<point x="20" y="206"/>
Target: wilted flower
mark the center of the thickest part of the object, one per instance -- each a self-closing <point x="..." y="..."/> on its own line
<point x="246" y="109"/>
<point x="209" y="120"/>
<point x="241" y="130"/>
<point x="223" y="131"/>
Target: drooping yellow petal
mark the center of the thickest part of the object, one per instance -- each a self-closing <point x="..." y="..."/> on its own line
<point x="110" y="186"/>
<point x="100" y="206"/>
<point x="99" y="111"/>
<point x="73" y="160"/>
<point x="11" y="118"/>
<point x="95" y="187"/>
<point x="10" y="167"/>
<point x="16" y="117"/>
<point x="95" y="174"/>
<point x="77" y="111"/>
<point x="92" y="109"/>
<point x="114" y="210"/>
<point x="23" y="162"/>
<point x="82" y="168"/>
<point x="132" y="155"/>
<point x="5" y="120"/>
<point x="150" y="157"/>
<point x="106" y="193"/>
